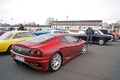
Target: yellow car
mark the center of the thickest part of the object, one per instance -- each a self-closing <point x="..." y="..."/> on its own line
<point x="10" y="37"/>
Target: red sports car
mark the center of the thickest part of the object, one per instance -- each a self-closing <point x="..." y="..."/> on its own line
<point x="48" y="51"/>
<point x="117" y="34"/>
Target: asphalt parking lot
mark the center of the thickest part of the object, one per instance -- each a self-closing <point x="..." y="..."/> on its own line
<point x="101" y="63"/>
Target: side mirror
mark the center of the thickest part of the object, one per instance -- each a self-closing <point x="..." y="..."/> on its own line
<point x="80" y="39"/>
<point x="77" y="39"/>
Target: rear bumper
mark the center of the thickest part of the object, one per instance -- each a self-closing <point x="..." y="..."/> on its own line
<point x="38" y="63"/>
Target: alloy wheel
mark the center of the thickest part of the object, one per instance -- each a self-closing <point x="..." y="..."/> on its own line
<point x="55" y="62"/>
<point x="84" y="49"/>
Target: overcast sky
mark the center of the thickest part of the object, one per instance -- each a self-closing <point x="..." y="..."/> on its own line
<point x="39" y="10"/>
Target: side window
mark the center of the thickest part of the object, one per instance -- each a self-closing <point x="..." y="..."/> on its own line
<point x="70" y="39"/>
<point x="18" y="35"/>
<point x="38" y="29"/>
<point x="27" y="34"/>
<point x="63" y="39"/>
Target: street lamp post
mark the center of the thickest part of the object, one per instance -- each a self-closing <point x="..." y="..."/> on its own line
<point x="67" y="22"/>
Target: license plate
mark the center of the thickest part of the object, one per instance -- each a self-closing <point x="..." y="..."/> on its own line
<point x="19" y="58"/>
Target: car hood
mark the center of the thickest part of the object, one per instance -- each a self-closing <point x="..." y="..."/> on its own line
<point x="107" y="35"/>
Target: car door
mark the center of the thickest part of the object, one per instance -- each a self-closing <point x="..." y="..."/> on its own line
<point x="95" y="36"/>
<point x="65" y="47"/>
<point x="74" y="44"/>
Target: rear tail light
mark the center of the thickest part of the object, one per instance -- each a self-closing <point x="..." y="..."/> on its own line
<point x="38" y="53"/>
<point x="35" y="52"/>
<point x="32" y="52"/>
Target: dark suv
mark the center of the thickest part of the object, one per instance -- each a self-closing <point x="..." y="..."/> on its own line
<point x="98" y="37"/>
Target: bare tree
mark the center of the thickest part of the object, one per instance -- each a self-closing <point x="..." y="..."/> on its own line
<point x="49" y="21"/>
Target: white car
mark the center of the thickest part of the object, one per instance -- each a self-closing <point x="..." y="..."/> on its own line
<point x="59" y="32"/>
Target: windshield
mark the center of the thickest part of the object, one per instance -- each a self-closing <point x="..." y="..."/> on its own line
<point x="98" y="32"/>
<point x="41" y="38"/>
<point x="6" y="36"/>
<point x="101" y="32"/>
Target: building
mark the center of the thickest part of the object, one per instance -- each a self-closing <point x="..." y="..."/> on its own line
<point x="115" y="27"/>
<point x="77" y="25"/>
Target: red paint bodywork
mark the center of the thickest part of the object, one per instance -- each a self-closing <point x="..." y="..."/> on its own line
<point x="67" y="50"/>
<point x="117" y="34"/>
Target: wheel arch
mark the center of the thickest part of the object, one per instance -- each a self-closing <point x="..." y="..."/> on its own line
<point x="49" y="68"/>
<point x="86" y="47"/>
<point x="8" y="49"/>
<point x="102" y="39"/>
<point x="59" y="53"/>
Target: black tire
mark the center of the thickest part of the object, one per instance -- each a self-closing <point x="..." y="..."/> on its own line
<point x="84" y="49"/>
<point x="9" y="49"/>
<point x="55" y="62"/>
<point x="101" y="41"/>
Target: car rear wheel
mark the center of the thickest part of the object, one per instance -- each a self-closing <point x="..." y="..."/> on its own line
<point x="84" y="49"/>
<point x="101" y="41"/>
<point x="55" y="62"/>
<point x="9" y="49"/>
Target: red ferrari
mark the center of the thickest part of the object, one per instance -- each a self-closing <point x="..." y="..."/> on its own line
<point x="48" y="51"/>
<point x="117" y="34"/>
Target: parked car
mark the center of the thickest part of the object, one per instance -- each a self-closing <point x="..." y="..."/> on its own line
<point x="105" y="31"/>
<point x="59" y="32"/>
<point x="49" y="31"/>
<point x="4" y="28"/>
<point x="117" y="34"/>
<point x="82" y="32"/>
<point x="79" y="32"/>
<point x="41" y="31"/>
<point x="48" y="51"/>
<point x="10" y="37"/>
<point x="98" y="37"/>
<point x="2" y="32"/>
